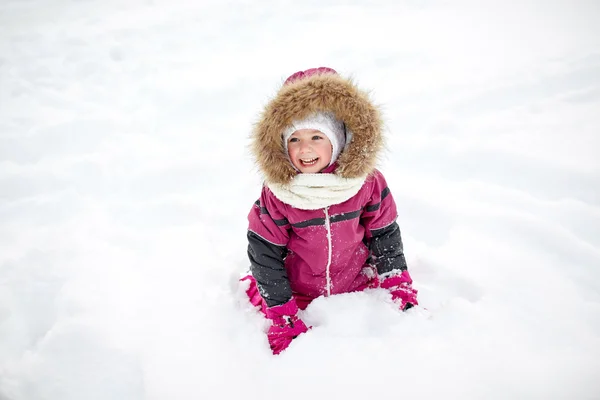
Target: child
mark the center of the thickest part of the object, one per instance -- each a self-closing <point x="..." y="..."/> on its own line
<point x="325" y="222"/>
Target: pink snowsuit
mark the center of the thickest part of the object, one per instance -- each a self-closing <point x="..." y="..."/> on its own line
<point x="327" y="249"/>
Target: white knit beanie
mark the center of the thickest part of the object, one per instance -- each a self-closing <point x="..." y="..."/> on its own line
<point x="324" y="122"/>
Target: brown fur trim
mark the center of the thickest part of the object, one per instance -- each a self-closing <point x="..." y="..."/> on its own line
<point x="326" y="92"/>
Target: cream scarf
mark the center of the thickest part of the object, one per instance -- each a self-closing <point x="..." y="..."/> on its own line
<point x="315" y="191"/>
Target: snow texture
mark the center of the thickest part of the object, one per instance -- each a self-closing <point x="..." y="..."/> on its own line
<point x="125" y="183"/>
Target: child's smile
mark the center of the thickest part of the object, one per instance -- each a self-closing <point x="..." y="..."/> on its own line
<point x="309" y="162"/>
<point x="309" y="150"/>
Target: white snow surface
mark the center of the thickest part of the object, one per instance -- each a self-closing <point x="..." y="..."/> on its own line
<point x="125" y="183"/>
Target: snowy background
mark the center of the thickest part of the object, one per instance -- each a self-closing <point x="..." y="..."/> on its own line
<point x="125" y="184"/>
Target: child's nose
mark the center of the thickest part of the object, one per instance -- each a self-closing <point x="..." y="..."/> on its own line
<point x="305" y="146"/>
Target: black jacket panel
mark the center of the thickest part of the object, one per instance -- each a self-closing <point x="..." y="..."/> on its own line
<point x="266" y="266"/>
<point x="387" y="249"/>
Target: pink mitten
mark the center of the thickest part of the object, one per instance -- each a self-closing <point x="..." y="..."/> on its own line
<point x="400" y="286"/>
<point x="286" y="325"/>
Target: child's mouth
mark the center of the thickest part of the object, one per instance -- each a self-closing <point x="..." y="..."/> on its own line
<point x="309" y="162"/>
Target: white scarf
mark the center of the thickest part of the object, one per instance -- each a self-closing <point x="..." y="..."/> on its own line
<point x="315" y="191"/>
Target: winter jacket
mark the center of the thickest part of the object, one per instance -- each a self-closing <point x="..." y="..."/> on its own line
<point x="324" y="251"/>
<point x="337" y="248"/>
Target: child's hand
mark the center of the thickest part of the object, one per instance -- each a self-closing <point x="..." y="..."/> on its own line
<point x="400" y="287"/>
<point x="283" y="332"/>
<point x="286" y="326"/>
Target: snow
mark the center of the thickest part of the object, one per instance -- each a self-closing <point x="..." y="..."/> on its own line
<point x="125" y="183"/>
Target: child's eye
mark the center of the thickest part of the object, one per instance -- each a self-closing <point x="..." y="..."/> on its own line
<point x="317" y="137"/>
<point x="293" y="139"/>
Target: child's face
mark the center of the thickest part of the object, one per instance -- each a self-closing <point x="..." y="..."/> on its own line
<point x="309" y="150"/>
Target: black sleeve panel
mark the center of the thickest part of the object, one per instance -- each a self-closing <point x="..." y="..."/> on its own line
<point x="266" y="266"/>
<point x="387" y="249"/>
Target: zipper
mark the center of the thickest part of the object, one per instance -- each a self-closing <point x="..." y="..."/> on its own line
<point x="328" y="227"/>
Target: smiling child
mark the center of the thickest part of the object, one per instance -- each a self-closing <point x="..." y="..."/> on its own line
<point x="325" y="222"/>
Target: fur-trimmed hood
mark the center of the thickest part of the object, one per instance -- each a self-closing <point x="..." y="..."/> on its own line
<point x="302" y="97"/>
